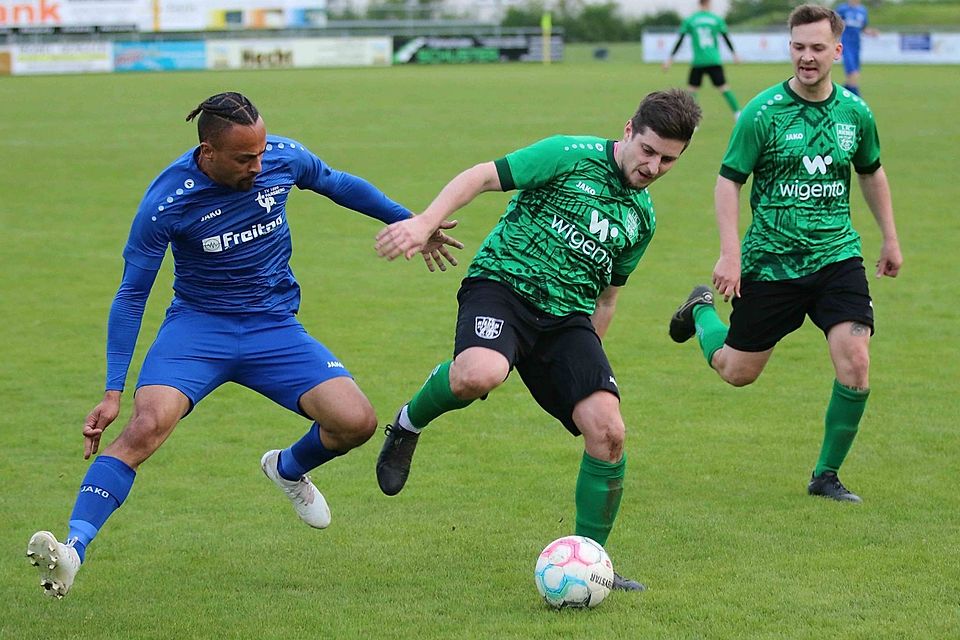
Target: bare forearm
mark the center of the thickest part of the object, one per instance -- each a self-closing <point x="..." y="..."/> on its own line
<point x="876" y="191"/>
<point x="727" y="208"/>
<point x="603" y="313"/>
<point x="460" y="191"/>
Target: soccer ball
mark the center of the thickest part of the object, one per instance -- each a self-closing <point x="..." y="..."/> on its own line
<point x="573" y="571"/>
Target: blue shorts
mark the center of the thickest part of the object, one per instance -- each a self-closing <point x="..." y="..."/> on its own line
<point x="851" y="59"/>
<point x="272" y="354"/>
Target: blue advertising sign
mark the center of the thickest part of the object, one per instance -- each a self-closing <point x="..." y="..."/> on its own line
<point x="159" y="56"/>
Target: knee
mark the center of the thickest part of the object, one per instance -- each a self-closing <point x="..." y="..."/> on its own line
<point x="472" y="383"/>
<point x="605" y="441"/>
<point x="602" y="427"/>
<point x="854" y="371"/>
<point x="359" y="428"/>
<point x="738" y="376"/>
<point x="142" y="436"/>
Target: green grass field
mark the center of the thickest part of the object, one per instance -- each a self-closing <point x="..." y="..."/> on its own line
<point x="715" y="518"/>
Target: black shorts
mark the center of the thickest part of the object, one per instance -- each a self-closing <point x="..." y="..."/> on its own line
<point x="715" y="72"/>
<point x="559" y="358"/>
<point x="767" y="311"/>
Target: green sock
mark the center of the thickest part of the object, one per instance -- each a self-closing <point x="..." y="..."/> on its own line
<point x="841" y="424"/>
<point x="731" y="100"/>
<point x="434" y="398"/>
<point x="711" y="332"/>
<point x="599" y="490"/>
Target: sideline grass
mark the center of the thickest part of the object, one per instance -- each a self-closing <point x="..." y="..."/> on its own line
<point x="714" y="519"/>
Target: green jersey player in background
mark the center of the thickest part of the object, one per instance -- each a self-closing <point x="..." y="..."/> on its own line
<point x="542" y="290"/>
<point x="800" y="255"/>
<point x="705" y="28"/>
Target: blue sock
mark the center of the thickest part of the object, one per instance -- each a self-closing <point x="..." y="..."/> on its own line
<point x="305" y="454"/>
<point x="103" y="490"/>
<point x="852" y="89"/>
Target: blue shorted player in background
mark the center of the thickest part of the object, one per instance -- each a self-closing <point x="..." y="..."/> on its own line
<point x="854" y="16"/>
<point x="221" y="207"/>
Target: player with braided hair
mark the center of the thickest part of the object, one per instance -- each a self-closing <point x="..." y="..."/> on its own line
<point x="221" y="207"/>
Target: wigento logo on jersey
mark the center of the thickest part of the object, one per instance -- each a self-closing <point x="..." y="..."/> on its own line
<point x="815" y="166"/>
<point x="216" y="244"/>
<point x="585" y="244"/>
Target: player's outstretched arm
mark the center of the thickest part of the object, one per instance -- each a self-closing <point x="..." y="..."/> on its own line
<point x="876" y="191"/>
<point x="726" y="273"/>
<point x="98" y="420"/>
<point x="409" y="237"/>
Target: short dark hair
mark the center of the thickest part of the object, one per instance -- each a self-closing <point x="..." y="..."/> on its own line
<point x="672" y="114"/>
<point x="811" y="13"/>
<point x="222" y="111"/>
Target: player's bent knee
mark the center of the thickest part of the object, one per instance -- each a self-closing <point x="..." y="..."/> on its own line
<point x="142" y="436"/>
<point x="739" y="377"/>
<point x="473" y="384"/>
<point x="605" y="442"/>
<point x="355" y="429"/>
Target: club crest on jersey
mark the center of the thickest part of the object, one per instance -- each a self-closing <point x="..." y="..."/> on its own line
<point x="846" y="135"/>
<point x="487" y="328"/>
<point x="265" y="198"/>
<point x="266" y="202"/>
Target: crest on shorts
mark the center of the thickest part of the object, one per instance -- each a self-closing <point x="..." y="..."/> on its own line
<point x="846" y="135"/>
<point x="487" y="328"/>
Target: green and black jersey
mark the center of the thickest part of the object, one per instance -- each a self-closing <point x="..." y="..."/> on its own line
<point x="573" y="228"/>
<point x="704" y="28"/>
<point x="800" y="155"/>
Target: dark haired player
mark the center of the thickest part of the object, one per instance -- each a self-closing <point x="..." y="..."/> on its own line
<point x="542" y="290"/>
<point x="222" y="208"/>
<point x="800" y="256"/>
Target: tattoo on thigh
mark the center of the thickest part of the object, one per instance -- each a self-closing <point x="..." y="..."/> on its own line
<point x="859" y="329"/>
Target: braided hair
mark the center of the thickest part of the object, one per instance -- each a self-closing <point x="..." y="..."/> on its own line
<point x="222" y="111"/>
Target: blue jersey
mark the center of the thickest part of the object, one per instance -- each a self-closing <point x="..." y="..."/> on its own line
<point x="231" y="249"/>
<point x="855" y="21"/>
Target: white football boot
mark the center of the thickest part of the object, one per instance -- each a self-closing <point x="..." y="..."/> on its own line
<point x="58" y="563"/>
<point x="307" y="500"/>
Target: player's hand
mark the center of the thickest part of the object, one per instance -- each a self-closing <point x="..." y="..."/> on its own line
<point x="726" y="277"/>
<point x="436" y="253"/>
<point x="98" y="420"/>
<point x="666" y="64"/>
<point x="405" y="238"/>
<point x="890" y="259"/>
<point x="736" y="59"/>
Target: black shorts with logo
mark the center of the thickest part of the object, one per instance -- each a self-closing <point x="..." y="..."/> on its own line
<point x="715" y="72"/>
<point x="766" y="311"/>
<point x="559" y="358"/>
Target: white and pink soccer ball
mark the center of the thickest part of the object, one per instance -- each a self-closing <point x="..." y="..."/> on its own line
<point x="573" y="571"/>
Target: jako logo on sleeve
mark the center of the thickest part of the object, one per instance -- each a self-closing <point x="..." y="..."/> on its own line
<point x="216" y="244"/>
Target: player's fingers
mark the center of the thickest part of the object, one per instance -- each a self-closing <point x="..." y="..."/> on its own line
<point x="438" y="260"/>
<point x="429" y="262"/>
<point x="90" y="446"/>
<point x="449" y="256"/>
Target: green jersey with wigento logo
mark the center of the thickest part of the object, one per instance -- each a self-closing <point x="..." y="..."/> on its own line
<point x="800" y="154"/>
<point x="573" y="228"/>
<point x="704" y="29"/>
